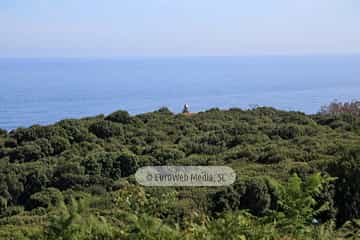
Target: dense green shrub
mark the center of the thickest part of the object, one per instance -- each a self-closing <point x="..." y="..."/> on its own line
<point x="272" y="154"/>
<point x="66" y="174"/>
<point x="128" y="163"/>
<point x="251" y="194"/>
<point x="347" y="197"/>
<point x="120" y="117"/>
<point x="3" y="132"/>
<point x="106" y="129"/>
<point x="35" y="132"/>
<point x="256" y="197"/>
<point x="242" y="152"/>
<point x="45" y="146"/>
<point x="102" y="163"/>
<point x="12" y="211"/>
<point x="10" y="143"/>
<point x="250" y="139"/>
<point x="95" y="159"/>
<point x="26" y="153"/>
<point x="289" y="131"/>
<point x="167" y="154"/>
<point x="50" y="197"/>
<point x="59" y="144"/>
<point x="75" y="131"/>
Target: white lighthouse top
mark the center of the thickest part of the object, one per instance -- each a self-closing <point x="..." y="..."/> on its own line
<point x="186" y="108"/>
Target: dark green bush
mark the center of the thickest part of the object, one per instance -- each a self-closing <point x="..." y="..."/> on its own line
<point x="128" y="163"/>
<point x="120" y="117"/>
<point x="50" y="197"/>
<point x="347" y="186"/>
<point x="3" y="132"/>
<point x="289" y="131"/>
<point x="45" y="146"/>
<point x="35" y="132"/>
<point x="59" y="144"/>
<point x="102" y="163"/>
<point x="26" y="153"/>
<point x="75" y="130"/>
<point x="252" y="194"/>
<point x="10" y="143"/>
<point x="90" y="158"/>
<point x="106" y="129"/>
<point x="272" y="154"/>
<point x="167" y="155"/>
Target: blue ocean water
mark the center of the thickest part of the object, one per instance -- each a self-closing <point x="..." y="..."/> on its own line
<point x="43" y="91"/>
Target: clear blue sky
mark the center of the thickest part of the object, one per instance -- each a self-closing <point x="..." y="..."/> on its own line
<point x="110" y="28"/>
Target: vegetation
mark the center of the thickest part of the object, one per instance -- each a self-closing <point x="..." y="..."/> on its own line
<point x="298" y="176"/>
<point x="338" y="107"/>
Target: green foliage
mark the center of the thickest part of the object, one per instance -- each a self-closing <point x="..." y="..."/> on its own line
<point x="144" y="227"/>
<point x="26" y="153"/>
<point x="350" y="230"/>
<point x="120" y="117"/>
<point x="10" y="143"/>
<point x="102" y="163"/>
<point x="75" y="130"/>
<point x="297" y="202"/>
<point x="50" y="197"/>
<point x="106" y="129"/>
<point x="272" y="154"/>
<point x="36" y="132"/>
<point x="128" y="163"/>
<point x="253" y="194"/>
<point x="289" y="131"/>
<point x="59" y="144"/>
<point x="347" y="171"/>
<point x="45" y="146"/>
<point x="167" y="154"/>
<point x="275" y="154"/>
<point x="3" y="132"/>
<point x="75" y="222"/>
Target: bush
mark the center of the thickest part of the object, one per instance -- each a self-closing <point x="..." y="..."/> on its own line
<point x="45" y="146"/>
<point x="167" y="155"/>
<point x="35" y="132"/>
<point x="347" y="186"/>
<point x="67" y="175"/>
<point x="336" y="108"/>
<point x="164" y="110"/>
<point x="257" y="197"/>
<point x="128" y="163"/>
<point x="12" y="211"/>
<point x="26" y="153"/>
<point x="250" y="139"/>
<point x="251" y="194"/>
<point x="120" y="117"/>
<point x="272" y="154"/>
<point x="106" y="129"/>
<point x="289" y="131"/>
<point x="102" y="163"/>
<point x="10" y="143"/>
<point x="75" y="131"/>
<point x="59" y="144"/>
<point x="50" y="197"/>
<point x="247" y="153"/>
<point x="3" y="132"/>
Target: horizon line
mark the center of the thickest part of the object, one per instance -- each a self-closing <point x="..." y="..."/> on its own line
<point x="188" y="56"/>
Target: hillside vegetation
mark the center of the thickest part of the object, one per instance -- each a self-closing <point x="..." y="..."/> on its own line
<point x="298" y="177"/>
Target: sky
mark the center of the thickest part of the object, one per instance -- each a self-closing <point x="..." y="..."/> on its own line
<point x="116" y="28"/>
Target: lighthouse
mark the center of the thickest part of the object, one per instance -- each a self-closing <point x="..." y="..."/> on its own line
<point x="186" y="109"/>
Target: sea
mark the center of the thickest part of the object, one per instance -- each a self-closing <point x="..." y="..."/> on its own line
<point x="46" y="90"/>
